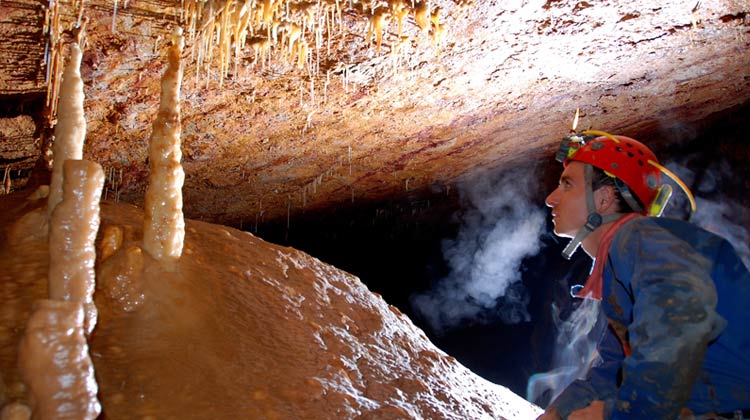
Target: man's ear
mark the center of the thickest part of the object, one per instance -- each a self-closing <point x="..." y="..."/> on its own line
<point x="605" y="200"/>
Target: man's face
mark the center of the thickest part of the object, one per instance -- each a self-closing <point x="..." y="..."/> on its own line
<point x="568" y="201"/>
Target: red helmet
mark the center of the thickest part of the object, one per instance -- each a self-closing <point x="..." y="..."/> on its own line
<point x="635" y="169"/>
<point x="626" y="159"/>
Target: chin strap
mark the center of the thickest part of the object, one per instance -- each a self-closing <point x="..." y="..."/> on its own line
<point x="593" y="220"/>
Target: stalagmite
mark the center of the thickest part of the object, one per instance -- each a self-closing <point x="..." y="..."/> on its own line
<point x="55" y="364"/>
<point x="70" y="130"/>
<point x="73" y="229"/>
<point x="164" y="225"/>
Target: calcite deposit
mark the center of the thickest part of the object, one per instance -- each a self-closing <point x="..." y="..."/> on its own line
<point x="236" y="328"/>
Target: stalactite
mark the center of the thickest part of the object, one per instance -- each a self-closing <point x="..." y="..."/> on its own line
<point x="399" y="12"/>
<point x="51" y="30"/>
<point x="422" y="15"/>
<point x="114" y="18"/>
<point x="7" y="186"/>
<point x="377" y="22"/>
<point x="295" y="30"/>
<point x="293" y="34"/>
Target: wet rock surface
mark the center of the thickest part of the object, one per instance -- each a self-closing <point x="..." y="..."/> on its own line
<point x="238" y="327"/>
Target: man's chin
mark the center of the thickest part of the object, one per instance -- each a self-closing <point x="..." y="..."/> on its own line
<point x="562" y="234"/>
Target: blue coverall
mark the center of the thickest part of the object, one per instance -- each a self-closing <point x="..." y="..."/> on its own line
<point x="679" y="297"/>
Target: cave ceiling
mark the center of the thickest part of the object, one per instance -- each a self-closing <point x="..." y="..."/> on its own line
<point x="291" y="106"/>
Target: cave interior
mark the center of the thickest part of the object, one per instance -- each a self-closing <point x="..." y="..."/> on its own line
<point x="375" y="171"/>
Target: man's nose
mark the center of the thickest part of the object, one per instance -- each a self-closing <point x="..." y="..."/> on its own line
<point x="551" y="199"/>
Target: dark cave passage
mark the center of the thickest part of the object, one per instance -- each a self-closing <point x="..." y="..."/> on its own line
<point x="396" y="249"/>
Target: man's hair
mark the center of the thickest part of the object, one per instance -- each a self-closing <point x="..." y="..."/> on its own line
<point x="600" y="179"/>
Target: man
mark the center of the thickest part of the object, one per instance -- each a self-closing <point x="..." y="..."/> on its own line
<point x="675" y="295"/>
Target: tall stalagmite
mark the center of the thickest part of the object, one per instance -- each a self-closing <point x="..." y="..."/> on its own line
<point x="53" y="354"/>
<point x="73" y="228"/>
<point x="70" y="131"/>
<point x="54" y="361"/>
<point x="164" y="226"/>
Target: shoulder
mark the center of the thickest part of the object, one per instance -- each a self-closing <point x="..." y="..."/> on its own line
<point x="694" y="236"/>
<point x="655" y="239"/>
<point x="638" y="227"/>
<point x="650" y="235"/>
<point x="665" y="227"/>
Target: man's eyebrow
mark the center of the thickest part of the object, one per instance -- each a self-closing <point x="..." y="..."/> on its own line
<point x="566" y="178"/>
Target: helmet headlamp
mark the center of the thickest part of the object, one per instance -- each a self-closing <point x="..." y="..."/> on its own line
<point x="569" y="146"/>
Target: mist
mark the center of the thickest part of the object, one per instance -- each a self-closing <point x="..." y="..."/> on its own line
<point x="575" y="351"/>
<point x="501" y="224"/>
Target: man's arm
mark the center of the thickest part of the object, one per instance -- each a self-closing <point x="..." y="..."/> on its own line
<point x="600" y="383"/>
<point x="673" y="320"/>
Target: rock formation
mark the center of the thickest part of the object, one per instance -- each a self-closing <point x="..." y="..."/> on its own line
<point x="237" y="328"/>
